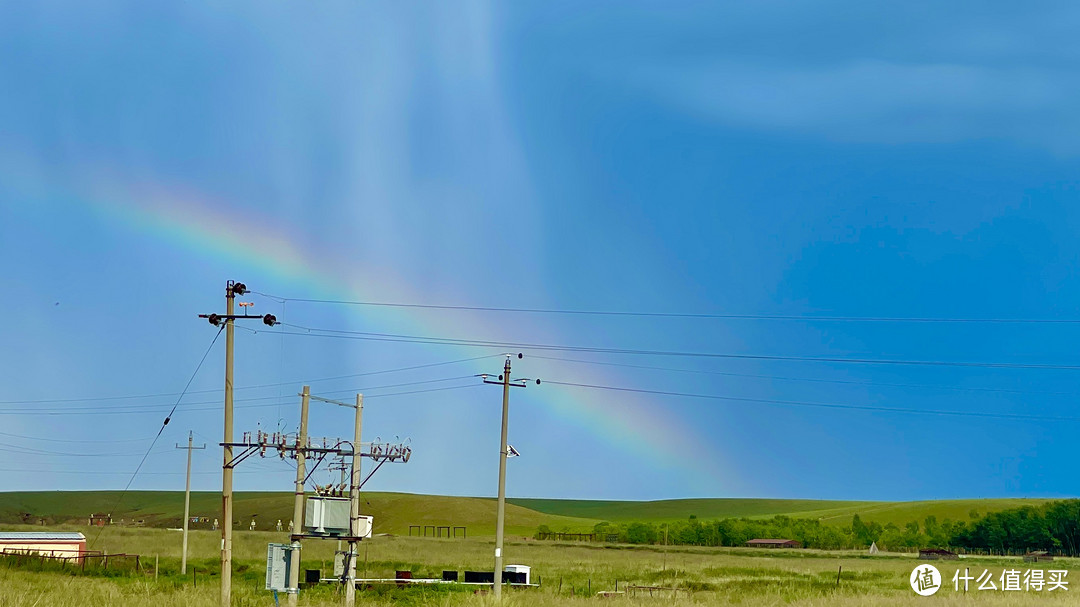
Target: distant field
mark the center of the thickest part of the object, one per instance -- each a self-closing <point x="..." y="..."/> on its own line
<point x="392" y="512"/>
<point x="395" y="512"/>
<point x="672" y="510"/>
<point x="833" y="512"/>
<point x="570" y="574"/>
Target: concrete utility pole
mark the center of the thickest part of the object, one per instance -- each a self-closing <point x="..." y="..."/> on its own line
<point x="232" y="289"/>
<point x="354" y="507"/>
<point x="187" y="501"/>
<point x="298" y="498"/>
<point x="500" y="516"/>
<point x="226" y="470"/>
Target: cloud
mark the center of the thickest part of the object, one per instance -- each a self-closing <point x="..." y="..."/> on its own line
<point x="873" y="101"/>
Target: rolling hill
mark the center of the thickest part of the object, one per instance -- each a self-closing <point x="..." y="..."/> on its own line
<point x="396" y="512"/>
<point x="830" y="512"/>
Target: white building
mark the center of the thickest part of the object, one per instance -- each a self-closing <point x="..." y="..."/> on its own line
<point x="47" y="543"/>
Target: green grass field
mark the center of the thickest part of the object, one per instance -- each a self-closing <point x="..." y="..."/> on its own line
<point x="395" y="512"/>
<point x="570" y="574"/>
<point x="832" y="512"/>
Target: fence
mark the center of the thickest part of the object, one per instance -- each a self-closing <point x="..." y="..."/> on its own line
<point x="88" y="559"/>
<point x="448" y="531"/>
<point x="576" y="537"/>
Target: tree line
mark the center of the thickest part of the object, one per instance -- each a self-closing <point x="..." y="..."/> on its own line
<point x="1054" y="526"/>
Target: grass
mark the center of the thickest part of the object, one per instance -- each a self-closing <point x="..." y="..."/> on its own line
<point x="571" y="574"/>
<point x="395" y="512"/>
<point x="834" y="512"/>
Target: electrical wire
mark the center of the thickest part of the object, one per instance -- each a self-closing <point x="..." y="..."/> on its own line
<point x="806" y="379"/>
<point x="792" y="403"/>
<point x="165" y="423"/>
<point x="447" y="341"/>
<point x="214" y="408"/>
<point x="71" y="440"/>
<point x="251" y="387"/>
<point x="778" y="317"/>
<point x="188" y="406"/>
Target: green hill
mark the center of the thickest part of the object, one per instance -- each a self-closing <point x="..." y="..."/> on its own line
<point x="833" y="512"/>
<point x="392" y="512"/>
<point x="681" y="509"/>
<point x="396" y="512"/>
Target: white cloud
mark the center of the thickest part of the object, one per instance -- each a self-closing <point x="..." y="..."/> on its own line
<point x="879" y="102"/>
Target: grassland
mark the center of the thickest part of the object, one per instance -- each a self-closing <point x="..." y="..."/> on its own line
<point x="392" y="512"/>
<point x="570" y="574"/>
<point x="835" y="512"/>
<point x="395" y="512"/>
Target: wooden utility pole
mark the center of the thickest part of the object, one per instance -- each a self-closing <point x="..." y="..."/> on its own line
<point x="298" y="499"/>
<point x="354" y="507"/>
<point x="226" y="470"/>
<point x="187" y="502"/>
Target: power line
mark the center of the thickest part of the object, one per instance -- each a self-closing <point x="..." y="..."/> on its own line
<point x="702" y="315"/>
<point x="44" y="452"/>
<point x="448" y="341"/>
<point x="70" y="440"/>
<point x="792" y="403"/>
<point x="104" y="472"/>
<point x="188" y="407"/>
<point x="805" y="379"/>
<point x="191" y="409"/>
<point x="168" y="417"/>
<point x="252" y="387"/>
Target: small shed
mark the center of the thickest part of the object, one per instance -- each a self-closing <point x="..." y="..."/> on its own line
<point x="46" y="543"/>
<point x="773" y="543"/>
<point x="1038" y="556"/>
<point x="937" y="554"/>
<point x="100" y="520"/>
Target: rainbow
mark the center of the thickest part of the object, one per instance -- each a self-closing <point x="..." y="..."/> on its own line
<point x="197" y="222"/>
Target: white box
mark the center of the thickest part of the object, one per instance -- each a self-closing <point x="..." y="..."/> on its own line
<point x="520" y="569"/>
<point x="327" y="516"/>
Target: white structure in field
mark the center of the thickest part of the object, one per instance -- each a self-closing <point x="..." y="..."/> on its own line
<point x="47" y="543"/>
<point x="520" y="569"/>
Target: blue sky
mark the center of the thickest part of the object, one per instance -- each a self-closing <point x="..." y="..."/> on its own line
<point x="780" y="158"/>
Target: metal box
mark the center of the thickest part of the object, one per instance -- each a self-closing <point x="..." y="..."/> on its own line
<point x="364" y="526"/>
<point x="278" y="564"/>
<point x="327" y="516"/>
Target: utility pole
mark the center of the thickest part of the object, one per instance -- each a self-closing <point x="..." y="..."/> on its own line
<point x="226" y="470"/>
<point x="232" y="289"/>
<point x="500" y="517"/>
<point x="187" y="501"/>
<point x="298" y="498"/>
<point x="354" y="507"/>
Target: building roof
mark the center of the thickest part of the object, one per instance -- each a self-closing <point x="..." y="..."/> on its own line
<point x="40" y="535"/>
<point x="760" y="541"/>
<point x="934" y="551"/>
